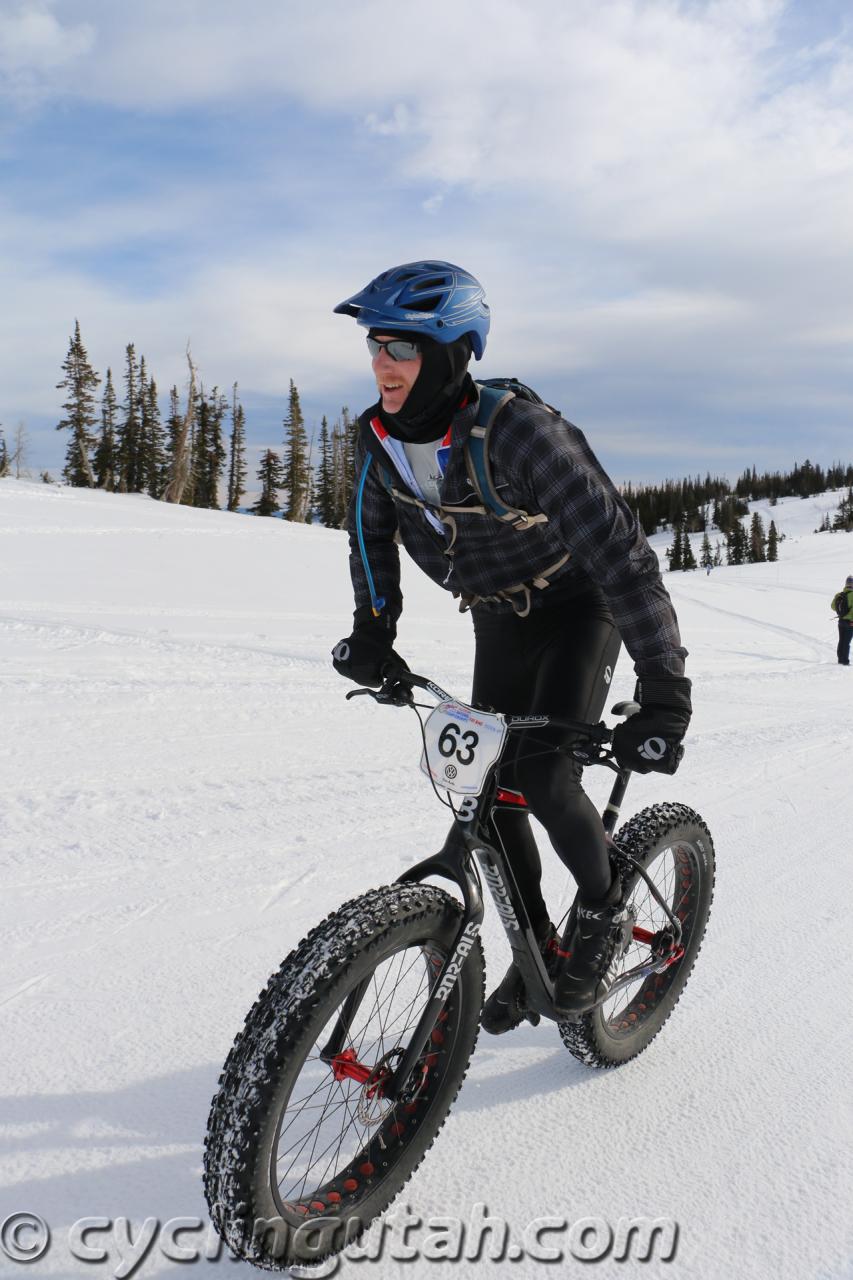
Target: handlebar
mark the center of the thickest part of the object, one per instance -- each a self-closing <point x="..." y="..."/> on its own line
<point x="589" y="748"/>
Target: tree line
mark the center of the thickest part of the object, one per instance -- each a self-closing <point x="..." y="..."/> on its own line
<point x="842" y="520"/>
<point x="200" y="449"/>
<point x="737" y="547"/>
<point x="666" y="505"/>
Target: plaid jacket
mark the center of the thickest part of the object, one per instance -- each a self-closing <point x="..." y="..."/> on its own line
<point x="540" y="463"/>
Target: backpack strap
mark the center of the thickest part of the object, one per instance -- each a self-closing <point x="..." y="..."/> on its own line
<point x="492" y="401"/>
<point x="519" y="596"/>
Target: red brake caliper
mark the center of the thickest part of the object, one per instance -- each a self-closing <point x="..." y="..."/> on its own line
<point x="644" y="935"/>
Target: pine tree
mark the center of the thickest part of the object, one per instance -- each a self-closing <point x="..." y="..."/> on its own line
<point x="105" y="453"/>
<point x="349" y="426"/>
<point x="773" y="542"/>
<point x="80" y="382"/>
<point x="718" y="554"/>
<point x="297" y="473"/>
<point x="237" y="453"/>
<point x="757" y="552"/>
<point x="216" y="453"/>
<point x="675" y="553"/>
<point x="5" y="465"/>
<point x="270" y="474"/>
<point x="688" y="559"/>
<point x="130" y="430"/>
<point x="706" y="555"/>
<point x="843" y="518"/>
<point x="155" y="443"/>
<point x="736" y="544"/>
<point x="339" y="477"/>
<point x="142" y="478"/>
<point x="208" y="459"/>
<point x="325" y="478"/>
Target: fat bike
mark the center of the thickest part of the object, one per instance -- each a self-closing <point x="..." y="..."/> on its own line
<point x="352" y="1055"/>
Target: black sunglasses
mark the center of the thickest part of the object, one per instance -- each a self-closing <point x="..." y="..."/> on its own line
<point x="397" y="348"/>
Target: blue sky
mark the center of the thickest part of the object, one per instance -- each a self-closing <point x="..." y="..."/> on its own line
<point x="658" y="197"/>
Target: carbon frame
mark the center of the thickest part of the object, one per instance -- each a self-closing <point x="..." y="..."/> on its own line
<point x="474" y="840"/>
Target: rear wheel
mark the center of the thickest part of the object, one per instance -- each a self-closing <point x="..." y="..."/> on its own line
<point x="302" y="1153"/>
<point x="675" y="848"/>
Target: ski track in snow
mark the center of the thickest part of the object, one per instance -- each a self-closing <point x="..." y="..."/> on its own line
<point x="186" y="793"/>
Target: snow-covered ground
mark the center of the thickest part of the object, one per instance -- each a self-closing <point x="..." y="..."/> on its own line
<point x="186" y="791"/>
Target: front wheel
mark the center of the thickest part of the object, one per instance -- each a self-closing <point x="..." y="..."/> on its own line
<point x="675" y="848"/>
<point x="303" y="1152"/>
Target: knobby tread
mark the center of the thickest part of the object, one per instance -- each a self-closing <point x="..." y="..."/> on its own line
<point x="274" y="1028"/>
<point x="638" y="838"/>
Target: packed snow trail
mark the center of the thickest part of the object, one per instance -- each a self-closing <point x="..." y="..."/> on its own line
<point x="186" y="792"/>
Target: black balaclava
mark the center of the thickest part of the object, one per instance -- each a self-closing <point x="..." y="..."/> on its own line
<point x="437" y="391"/>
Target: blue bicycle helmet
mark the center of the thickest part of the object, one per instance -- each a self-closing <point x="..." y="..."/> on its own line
<point x="434" y="298"/>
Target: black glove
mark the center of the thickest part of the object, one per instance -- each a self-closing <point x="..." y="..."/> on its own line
<point x="367" y="656"/>
<point x="650" y="740"/>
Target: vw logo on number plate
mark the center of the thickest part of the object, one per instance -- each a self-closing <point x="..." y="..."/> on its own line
<point x="450" y="771"/>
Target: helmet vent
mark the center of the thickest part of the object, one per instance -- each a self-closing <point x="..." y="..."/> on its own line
<point x="423" y="304"/>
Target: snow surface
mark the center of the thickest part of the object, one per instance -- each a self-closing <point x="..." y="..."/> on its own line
<point x="186" y="792"/>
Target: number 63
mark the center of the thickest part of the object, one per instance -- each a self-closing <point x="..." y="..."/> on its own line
<point x="449" y="743"/>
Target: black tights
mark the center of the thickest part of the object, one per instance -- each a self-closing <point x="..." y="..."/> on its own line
<point x="558" y="661"/>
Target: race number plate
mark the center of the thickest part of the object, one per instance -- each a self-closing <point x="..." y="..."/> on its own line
<point x="461" y="745"/>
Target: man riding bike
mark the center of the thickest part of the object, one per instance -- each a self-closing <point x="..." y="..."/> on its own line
<point x="553" y="591"/>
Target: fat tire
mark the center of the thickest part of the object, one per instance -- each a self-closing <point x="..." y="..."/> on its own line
<point x="596" y="1039"/>
<point x="268" y="1055"/>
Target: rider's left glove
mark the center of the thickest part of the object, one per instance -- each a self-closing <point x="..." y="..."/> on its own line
<point x="650" y="740"/>
<point x="367" y="656"/>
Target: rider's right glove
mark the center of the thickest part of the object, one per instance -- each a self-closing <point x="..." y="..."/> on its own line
<point x="367" y="656"/>
<point x="650" y="740"/>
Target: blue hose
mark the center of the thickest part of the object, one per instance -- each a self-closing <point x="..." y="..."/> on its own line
<point x="378" y="602"/>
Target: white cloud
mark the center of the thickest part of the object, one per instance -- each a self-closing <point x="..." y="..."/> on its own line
<point x="34" y="46"/>
<point x="657" y="187"/>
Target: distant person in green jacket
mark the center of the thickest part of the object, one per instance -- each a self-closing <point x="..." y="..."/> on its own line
<point x="842" y="604"/>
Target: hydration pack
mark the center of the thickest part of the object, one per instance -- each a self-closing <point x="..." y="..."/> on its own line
<point x="494" y="394"/>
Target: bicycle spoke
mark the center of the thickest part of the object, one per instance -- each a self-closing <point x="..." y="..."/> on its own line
<point x="321" y="1132"/>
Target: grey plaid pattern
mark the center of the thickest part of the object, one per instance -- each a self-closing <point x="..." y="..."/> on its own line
<point x="540" y="463"/>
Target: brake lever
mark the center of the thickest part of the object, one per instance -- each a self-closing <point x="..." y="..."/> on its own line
<point x="585" y="755"/>
<point x="392" y="694"/>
